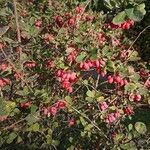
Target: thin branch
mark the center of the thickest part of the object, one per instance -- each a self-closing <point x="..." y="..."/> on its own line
<point x="93" y="123"/>
<point x="136" y="40"/>
<point x="17" y="23"/>
<point x="13" y="125"/>
<point x="97" y="81"/>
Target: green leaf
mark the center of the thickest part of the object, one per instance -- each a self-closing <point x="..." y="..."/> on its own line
<point x="129" y="12"/>
<point x="129" y="146"/>
<point x="130" y="127"/>
<point x="11" y="137"/>
<point x="32" y="118"/>
<point x="88" y="127"/>
<point x="19" y="139"/>
<point x="80" y="57"/>
<point x="89" y="99"/>
<point x="71" y="147"/>
<point x="143" y="90"/>
<point x="130" y="87"/>
<point x="140" y="127"/>
<point x="23" y="92"/>
<point x="83" y="121"/>
<point x="48" y="139"/>
<point x="134" y="56"/>
<point x="110" y="66"/>
<point x="135" y="77"/>
<point x="138" y="13"/>
<point x="68" y="99"/>
<point x="119" y="18"/>
<point x="55" y="142"/>
<point x="33" y="108"/>
<point x="6" y="39"/>
<point x="90" y="93"/>
<point x="35" y="127"/>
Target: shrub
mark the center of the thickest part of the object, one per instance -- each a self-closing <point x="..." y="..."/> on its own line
<point x="69" y="80"/>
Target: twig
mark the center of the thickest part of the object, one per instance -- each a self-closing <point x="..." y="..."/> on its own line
<point x="93" y="123"/>
<point x="17" y="23"/>
<point x="136" y="40"/>
<point x="12" y="125"/>
<point x="96" y="85"/>
<point x="18" y="35"/>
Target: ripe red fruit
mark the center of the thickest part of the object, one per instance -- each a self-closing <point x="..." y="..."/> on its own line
<point x="127" y="24"/>
<point x="128" y="110"/>
<point x="103" y="73"/>
<point x="59" y="20"/>
<point x="79" y="9"/>
<point x="117" y="79"/>
<point x="110" y="118"/>
<point x="25" y="104"/>
<point x="143" y="73"/>
<point x="2" y="45"/>
<point x="103" y="106"/>
<point x="38" y="23"/>
<point x="3" y="66"/>
<point x="147" y="83"/>
<point x="110" y="79"/>
<point x="71" y="122"/>
<point x="29" y="64"/>
<point x="60" y="104"/>
<point x="137" y="97"/>
<point x="4" y="82"/>
<point x="48" y="38"/>
<point x="71" y="22"/>
<point x="86" y="66"/>
<point x="53" y="110"/>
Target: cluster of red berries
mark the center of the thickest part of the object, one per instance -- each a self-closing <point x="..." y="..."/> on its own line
<point x="117" y="80"/>
<point x="103" y="106"/>
<point x="29" y="64"/>
<point x="128" y="110"/>
<point x="112" y="117"/>
<point x="52" y="110"/>
<point x="4" y="82"/>
<point x="69" y="20"/>
<point x="125" y="25"/>
<point x="135" y="97"/>
<point x="66" y="78"/>
<point x="143" y="73"/>
<point x="88" y="64"/>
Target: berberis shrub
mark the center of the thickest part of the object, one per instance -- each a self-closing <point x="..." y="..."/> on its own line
<point x="69" y="79"/>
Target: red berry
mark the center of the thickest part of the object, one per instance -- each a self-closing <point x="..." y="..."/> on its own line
<point x="110" y="79"/>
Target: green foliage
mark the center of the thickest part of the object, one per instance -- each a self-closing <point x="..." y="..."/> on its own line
<point x="69" y="78"/>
